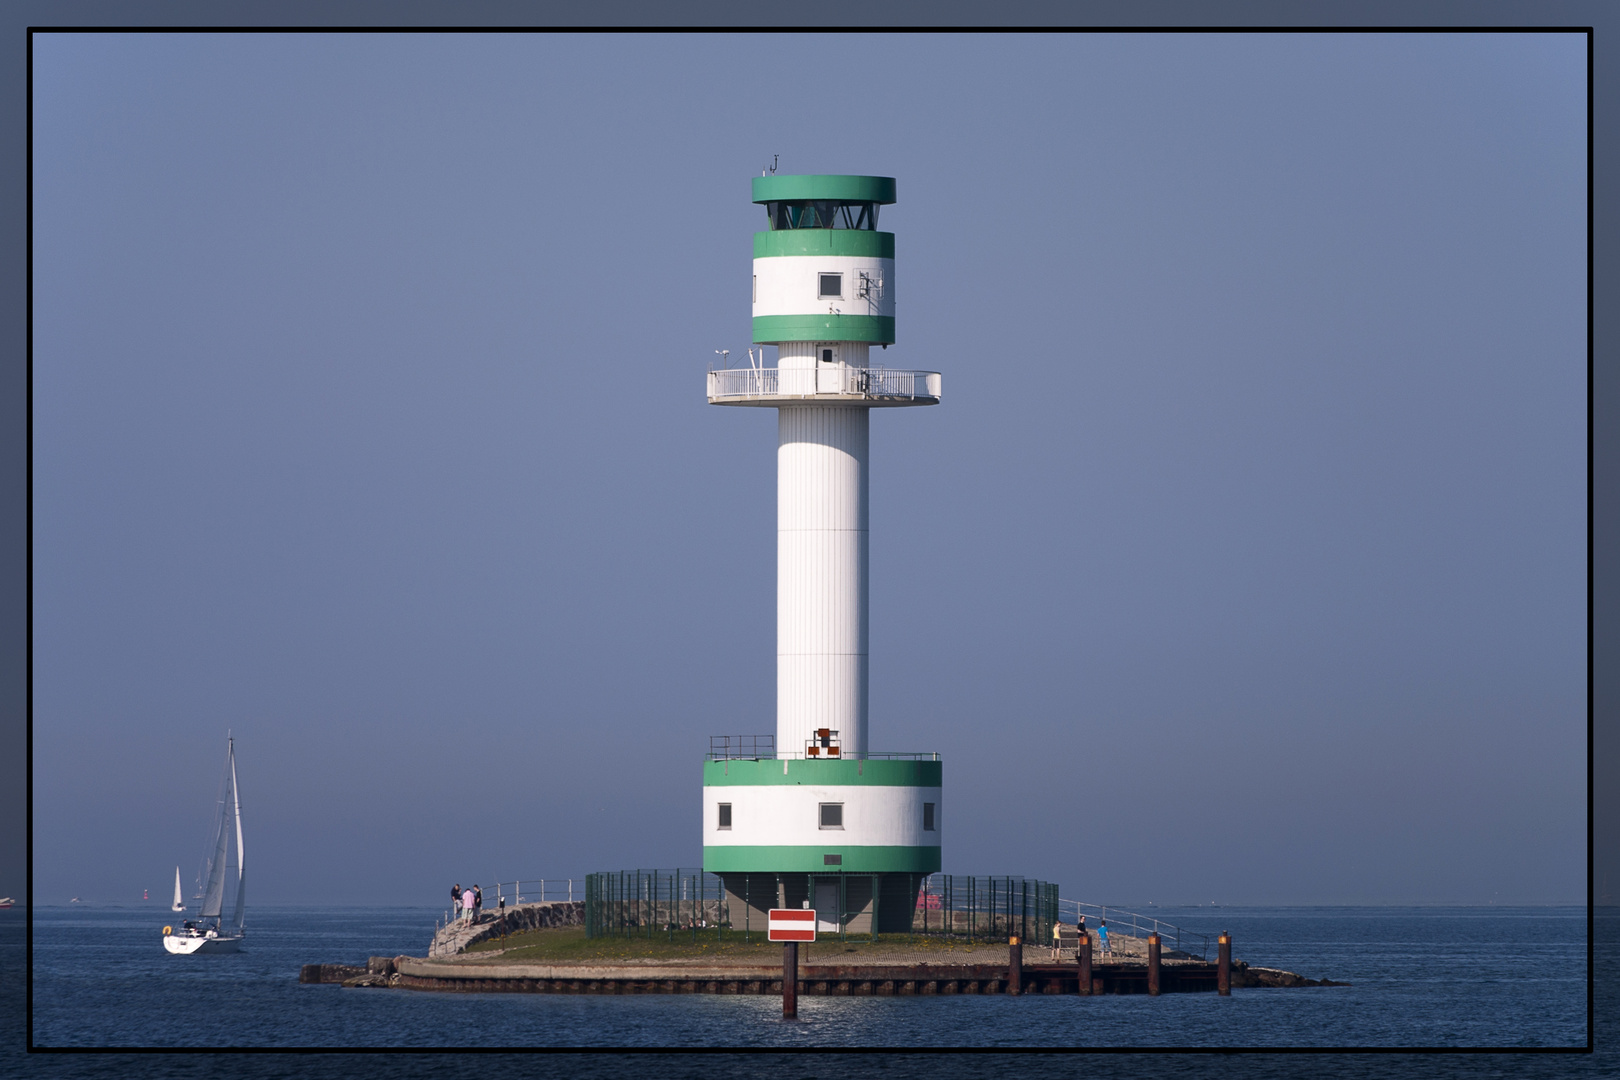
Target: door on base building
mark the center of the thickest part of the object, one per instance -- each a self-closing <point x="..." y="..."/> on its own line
<point x="826" y="907"/>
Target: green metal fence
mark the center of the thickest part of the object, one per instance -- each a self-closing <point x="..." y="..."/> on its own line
<point x="689" y="902"/>
<point x="986" y="908"/>
<point x="645" y="903"/>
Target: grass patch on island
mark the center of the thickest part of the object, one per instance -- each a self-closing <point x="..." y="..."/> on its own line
<point x="569" y="944"/>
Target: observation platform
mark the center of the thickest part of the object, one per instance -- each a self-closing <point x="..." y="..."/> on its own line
<point x="824" y="385"/>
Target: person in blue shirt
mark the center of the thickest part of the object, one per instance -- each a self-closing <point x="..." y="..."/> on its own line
<point x="1102" y="938"/>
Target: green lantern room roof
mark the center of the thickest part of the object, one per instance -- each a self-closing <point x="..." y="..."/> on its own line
<point x="854" y="189"/>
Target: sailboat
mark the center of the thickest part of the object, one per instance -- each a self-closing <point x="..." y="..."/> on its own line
<point x="210" y="933"/>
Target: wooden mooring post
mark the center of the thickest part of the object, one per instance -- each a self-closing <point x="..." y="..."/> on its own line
<point x="1082" y="953"/>
<point x="1153" y="964"/>
<point x="790" y="980"/>
<point x="1015" y="965"/>
<point x="1223" y="965"/>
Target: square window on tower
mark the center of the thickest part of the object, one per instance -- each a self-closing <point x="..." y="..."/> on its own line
<point x="832" y="815"/>
<point x="832" y="287"/>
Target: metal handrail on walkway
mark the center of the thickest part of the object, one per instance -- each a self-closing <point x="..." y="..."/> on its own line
<point x="539" y="890"/>
<point x="1129" y="922"/>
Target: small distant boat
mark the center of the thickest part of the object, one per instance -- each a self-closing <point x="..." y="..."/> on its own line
<point x="210" y="933"/>
<point x="6" y="901"/>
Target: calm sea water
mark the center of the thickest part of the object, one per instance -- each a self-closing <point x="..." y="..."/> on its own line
<point x="1422" y="977"/>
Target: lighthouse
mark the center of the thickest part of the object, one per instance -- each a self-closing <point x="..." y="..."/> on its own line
<point x="813" y="814"/>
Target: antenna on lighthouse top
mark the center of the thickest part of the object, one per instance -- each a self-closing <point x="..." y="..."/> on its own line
<point x="772" y="170"/>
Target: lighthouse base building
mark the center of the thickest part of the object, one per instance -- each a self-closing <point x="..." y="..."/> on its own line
<point x="853" y="837"/>
<point x="810" y="816"/>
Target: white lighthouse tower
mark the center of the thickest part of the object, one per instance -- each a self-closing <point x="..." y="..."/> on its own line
<point x="817" y="816"/>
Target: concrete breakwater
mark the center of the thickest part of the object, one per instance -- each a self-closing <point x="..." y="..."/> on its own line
<point x="885" y="970"/>
<point x="461" y="935"/>
<point x="821" y="980"/>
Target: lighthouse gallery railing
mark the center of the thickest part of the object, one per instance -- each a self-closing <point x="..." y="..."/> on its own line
<point x="841" y="381"/>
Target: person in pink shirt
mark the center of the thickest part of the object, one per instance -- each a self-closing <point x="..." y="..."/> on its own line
<point x="467" y="905"/>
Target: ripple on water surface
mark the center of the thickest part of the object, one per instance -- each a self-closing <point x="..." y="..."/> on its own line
<point x="1422" y="977"/>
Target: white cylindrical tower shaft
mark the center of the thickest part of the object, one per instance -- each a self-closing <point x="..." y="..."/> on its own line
<point x="821" y="575"/>
<point x="850" y="835"/>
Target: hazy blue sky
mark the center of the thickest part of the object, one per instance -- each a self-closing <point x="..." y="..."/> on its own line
<point x="1245" y="560"/>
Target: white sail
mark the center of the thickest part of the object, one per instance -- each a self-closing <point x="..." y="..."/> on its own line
<point x="236" y="813"/>
<point x="214" y="894"/>
<point x="179" y="901"/>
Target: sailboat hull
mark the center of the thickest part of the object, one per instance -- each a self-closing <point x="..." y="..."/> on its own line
<point x="182" y="945"/>
<point x="217" y="935"/>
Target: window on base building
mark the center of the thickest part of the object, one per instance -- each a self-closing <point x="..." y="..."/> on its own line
<point x="832" y="815"/>
<point x="725" y="815"/>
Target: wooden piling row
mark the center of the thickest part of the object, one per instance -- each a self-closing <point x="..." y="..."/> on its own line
<point x="1043" y="979"/>
<point x="809" y="987"/>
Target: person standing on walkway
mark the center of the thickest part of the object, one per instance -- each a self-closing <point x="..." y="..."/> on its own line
<point x="1057" y="939"/>
<point x="1102" y="939"/>
<point x="455" y="899"/>
<point x="467" y="905"/>
<point x="478" y="902"/>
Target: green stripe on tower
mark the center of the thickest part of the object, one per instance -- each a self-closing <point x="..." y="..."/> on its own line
<point x="853" y="242"/>
<point x="752" y="772"/>
<point x="874" y="329"/>
<point x="854" y="859"/>
<point x="878" y="189"/>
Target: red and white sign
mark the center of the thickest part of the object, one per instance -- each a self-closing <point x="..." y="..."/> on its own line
<point x="792" y="924"/>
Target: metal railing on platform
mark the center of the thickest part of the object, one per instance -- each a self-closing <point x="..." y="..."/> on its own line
<point x="1121" y="921"/>
<point x="734" y="747"/>
<point x="763" y="747"/>
<point x="535" y="890"/>
<point x="810" y="382"/>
